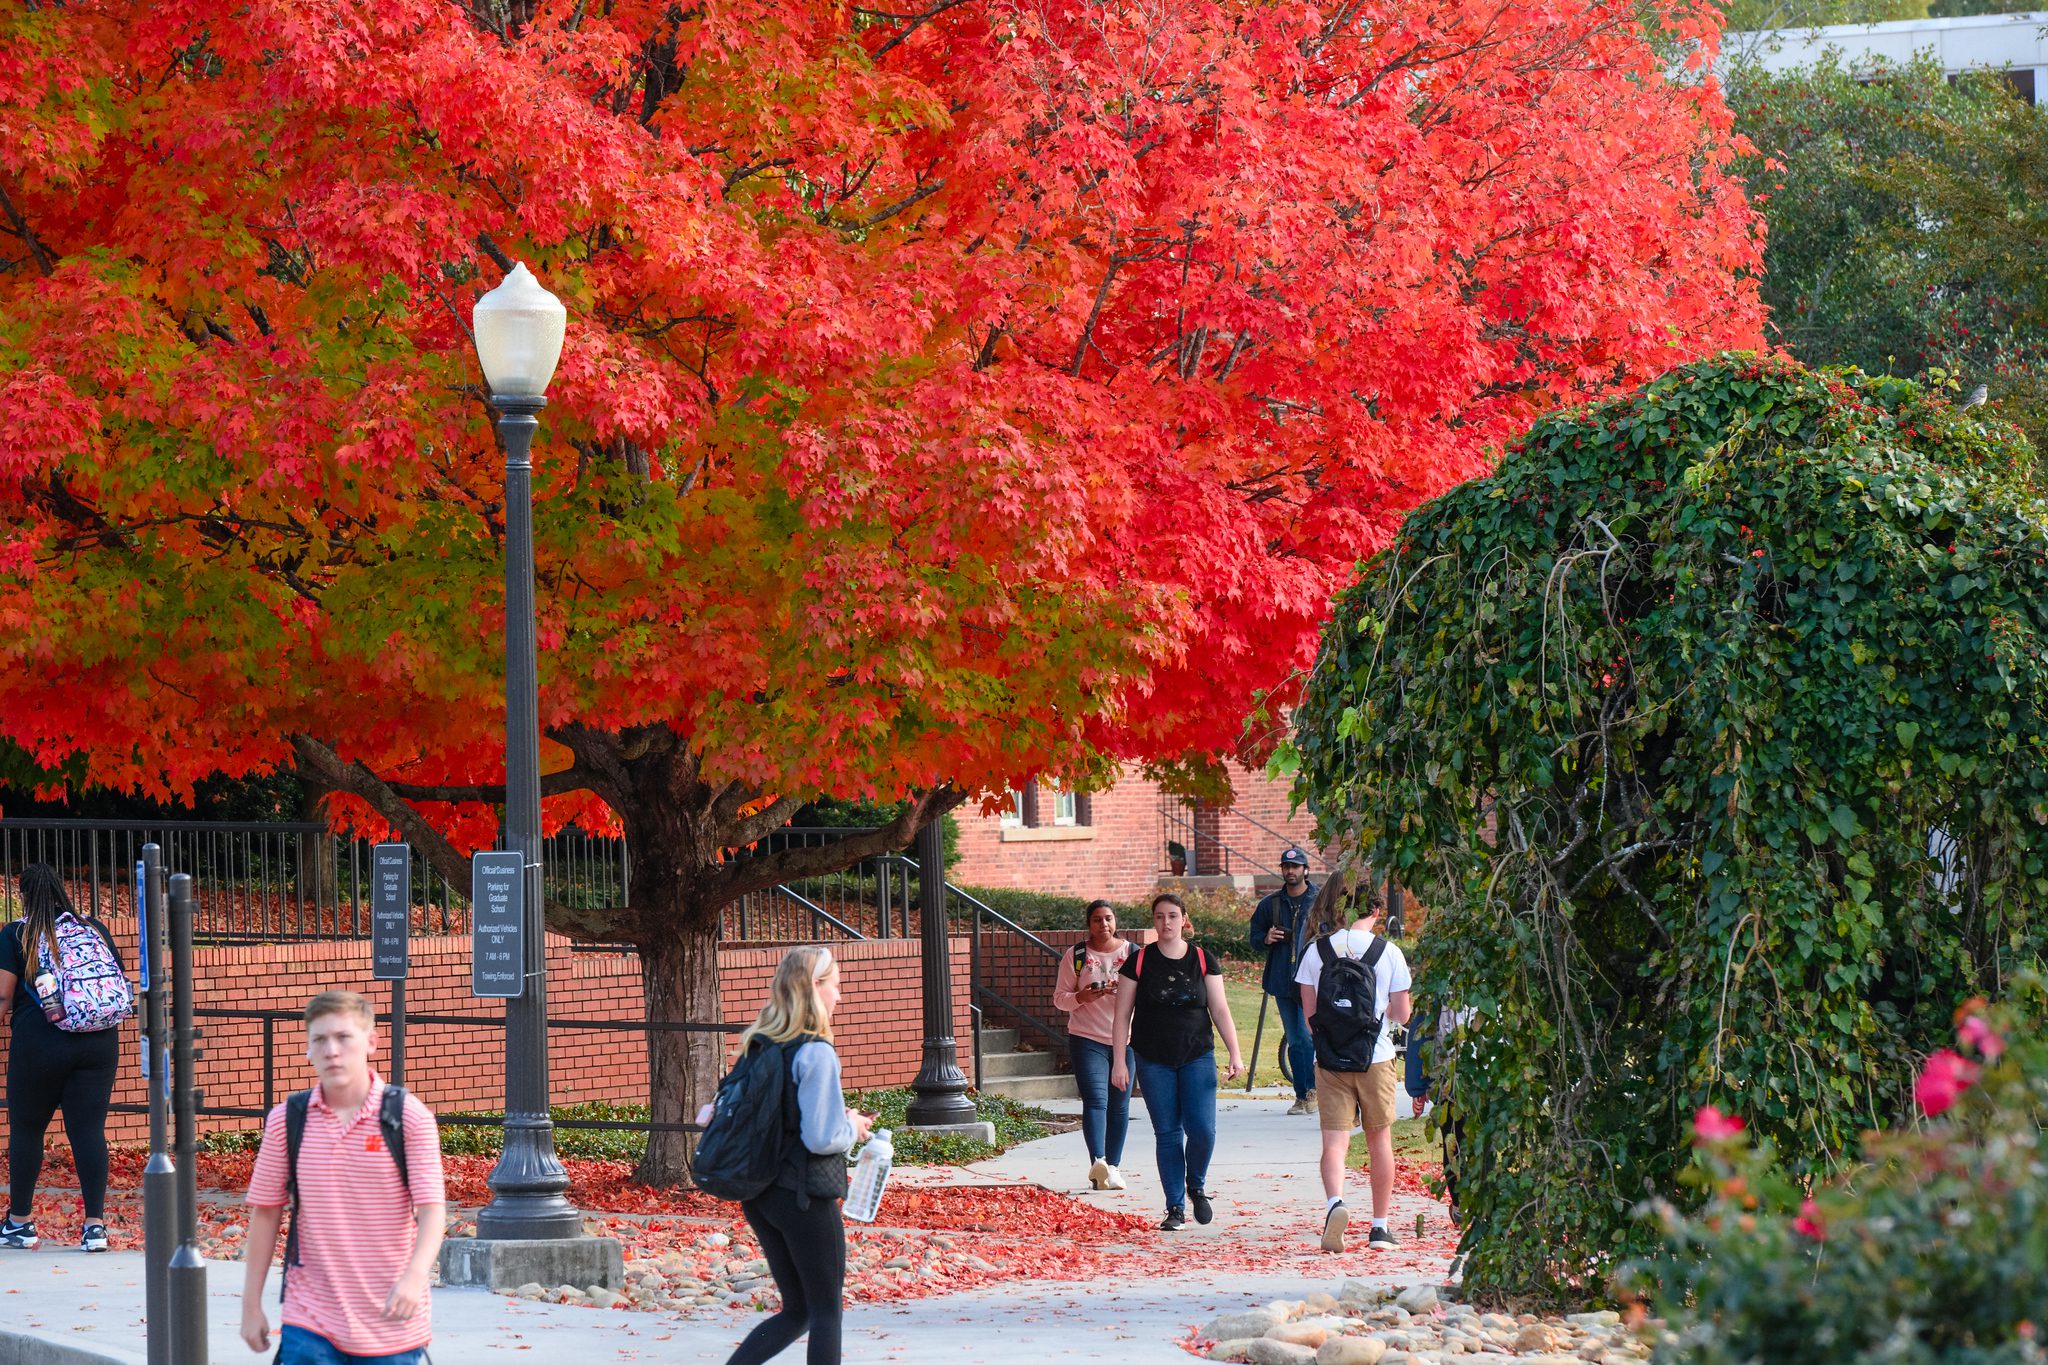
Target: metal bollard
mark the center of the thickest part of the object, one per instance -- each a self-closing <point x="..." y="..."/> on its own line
<point x="186" y="1276"/>
<point x="159" y="1190"/>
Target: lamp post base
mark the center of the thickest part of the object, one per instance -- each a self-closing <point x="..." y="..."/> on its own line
<point x="481" y="1263"/>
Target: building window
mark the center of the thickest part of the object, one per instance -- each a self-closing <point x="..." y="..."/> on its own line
<point x="1039" y="804"/>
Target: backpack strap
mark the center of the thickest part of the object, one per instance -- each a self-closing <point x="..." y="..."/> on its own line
<point x="1201" y="959"/>
<point x="1080" y="954"/>
<point x="296" y="1106"/>
<point x="1375" y="953"/>
<point x="1138" y="971"/>
<point x="1326" y="952"/>
<point x="391" y="1121"/>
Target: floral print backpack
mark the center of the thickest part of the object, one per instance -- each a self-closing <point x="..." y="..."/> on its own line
<point x="90" y="983"/>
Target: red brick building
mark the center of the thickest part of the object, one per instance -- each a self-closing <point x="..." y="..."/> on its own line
<point x="1114" y="843"/>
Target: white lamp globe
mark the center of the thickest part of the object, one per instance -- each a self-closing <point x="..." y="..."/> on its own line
<point x="519" y="328"/>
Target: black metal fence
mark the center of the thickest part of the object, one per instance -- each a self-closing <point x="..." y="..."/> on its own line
<point x="280" y="882"/>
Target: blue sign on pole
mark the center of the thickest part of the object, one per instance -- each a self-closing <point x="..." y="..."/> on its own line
<point x="142" y="957"/>
<point x="142" y="922"/>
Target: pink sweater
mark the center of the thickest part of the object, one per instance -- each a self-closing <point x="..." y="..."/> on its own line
<point x="1094" y="1016"/>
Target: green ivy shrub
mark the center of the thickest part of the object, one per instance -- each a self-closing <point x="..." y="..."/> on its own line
<point x="1933" y="1250"/>
<point x="1668" y="720"/>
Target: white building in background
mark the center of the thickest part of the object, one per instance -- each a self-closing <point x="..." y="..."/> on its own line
<point x="2015" y="44"/>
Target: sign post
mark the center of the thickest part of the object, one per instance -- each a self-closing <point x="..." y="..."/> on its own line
<point x="391" y="936"/>
<point x="497" y="924"/>
<point x="159" y="1177"/>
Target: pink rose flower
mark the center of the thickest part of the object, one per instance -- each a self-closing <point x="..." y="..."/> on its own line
<point x="1975" y="1033"/>
<point x="1711" y="1125"/>
<point x="1808" y="1223"/>
<point x="1943" y="1082"/>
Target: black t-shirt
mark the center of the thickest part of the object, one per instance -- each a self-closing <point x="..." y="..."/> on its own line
<point x="19" y="957"/>
<point x="1170" y="1024"/>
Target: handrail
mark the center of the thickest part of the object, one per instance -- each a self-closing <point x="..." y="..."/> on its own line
<point x="984" y="908"/>
<point x="818" y="912"/>
<point x="1265" y="828"/>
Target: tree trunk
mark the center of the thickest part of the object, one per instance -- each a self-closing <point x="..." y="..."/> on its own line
<point x="679" y="972"/>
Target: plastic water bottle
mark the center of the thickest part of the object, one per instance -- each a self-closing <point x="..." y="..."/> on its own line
<point x="48" y="997"/>
<point x="870" y="1174"/>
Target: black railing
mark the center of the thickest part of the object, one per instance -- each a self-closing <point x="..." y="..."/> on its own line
<point x="868" y="899"/>
<point x="282" y="882"/>
<point x="220" y="1043"/>
<point x="1013" y="971"/>
<point x="1209" y="853"/>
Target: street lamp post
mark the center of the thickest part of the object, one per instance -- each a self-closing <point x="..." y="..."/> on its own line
<point x="940" y="1088"/>
<point x="519" y="328"/>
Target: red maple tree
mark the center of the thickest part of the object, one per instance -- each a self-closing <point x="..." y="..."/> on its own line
<point x="952" y="394"/>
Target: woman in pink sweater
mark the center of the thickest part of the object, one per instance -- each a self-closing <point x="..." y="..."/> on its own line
<point x="1086" y="990"/>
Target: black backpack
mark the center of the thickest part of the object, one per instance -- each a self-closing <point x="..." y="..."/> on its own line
<point x="747" y="1140"/>
<point x="1345" y="1027"/>
<point x="390" y="1122"/>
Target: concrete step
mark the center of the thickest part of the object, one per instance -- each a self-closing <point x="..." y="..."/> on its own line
<point x="1007" y="1064"/>
<point x="1029" y="1088"/>
<point x="998" y="1040"/>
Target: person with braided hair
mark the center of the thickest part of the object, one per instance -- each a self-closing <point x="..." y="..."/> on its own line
<point x="49" y="1067"/>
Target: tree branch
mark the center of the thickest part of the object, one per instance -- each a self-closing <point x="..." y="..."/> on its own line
<point x="44" y="261"/>
<point x="917" y="22"/>
<point x="758" y="872"/>
<point x="357" y="780"/>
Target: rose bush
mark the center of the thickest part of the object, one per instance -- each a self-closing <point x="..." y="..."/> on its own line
<point x="1932" y="1249"/>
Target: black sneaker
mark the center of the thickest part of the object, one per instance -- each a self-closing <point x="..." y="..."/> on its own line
<point x="1334" y="1223"/>
<point x="1176" y="1219"/>
<point x="1204" y="1211"/>
<point x="22" y="1235"/>
<point x="1382" y="1239"/>
<point x="95" y="1238"/>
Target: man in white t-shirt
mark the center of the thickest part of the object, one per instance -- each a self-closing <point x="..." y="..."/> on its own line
<point x="1350" y="1093"/>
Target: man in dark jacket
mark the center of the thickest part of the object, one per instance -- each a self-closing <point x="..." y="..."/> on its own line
<point x="1281" y="929"/>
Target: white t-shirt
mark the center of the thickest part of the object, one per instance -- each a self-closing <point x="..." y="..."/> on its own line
<point x="1390" y="975"/>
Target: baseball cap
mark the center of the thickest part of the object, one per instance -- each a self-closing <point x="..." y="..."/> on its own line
<point x="1295" y="856"/>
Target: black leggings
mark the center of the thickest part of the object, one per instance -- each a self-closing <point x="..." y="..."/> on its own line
<point x="806" y="1252"/>
<point x="76" y="1076"/>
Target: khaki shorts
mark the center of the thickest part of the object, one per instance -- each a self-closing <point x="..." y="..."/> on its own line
<point x="1342" y="1097"/>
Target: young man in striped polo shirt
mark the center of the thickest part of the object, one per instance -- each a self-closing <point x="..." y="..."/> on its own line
<point x="367" y="1233"/>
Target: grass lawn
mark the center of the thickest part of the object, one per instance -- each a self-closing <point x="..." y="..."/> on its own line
<point x="1241" y="988"/>
<point x="1412" y="1142"/>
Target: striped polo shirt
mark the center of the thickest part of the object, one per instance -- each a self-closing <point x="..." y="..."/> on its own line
<point x="356" y="1223"/>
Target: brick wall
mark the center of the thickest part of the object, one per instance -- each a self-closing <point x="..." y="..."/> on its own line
<point x="878" y="1026"/>
<point x="1122" y="854"/>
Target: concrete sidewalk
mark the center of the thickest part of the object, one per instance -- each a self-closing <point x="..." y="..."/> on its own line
<point x="62" y="1308"/>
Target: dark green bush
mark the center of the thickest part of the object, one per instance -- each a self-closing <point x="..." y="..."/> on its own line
<point x="1662" y="720"/>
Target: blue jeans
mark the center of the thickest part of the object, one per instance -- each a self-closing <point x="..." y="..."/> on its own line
<point x="1301" y="1047"/>
<point x="297" y="1346"/>
<point x="1105" y="1110"/>
<point x="1182" y="1103"/>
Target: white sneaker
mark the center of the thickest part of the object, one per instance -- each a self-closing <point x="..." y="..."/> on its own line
<point x="1098" y="1174"/>
<point x="1114" y="1180"/>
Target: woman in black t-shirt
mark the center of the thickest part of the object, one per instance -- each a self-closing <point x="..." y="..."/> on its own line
<point x="49" y="1069"/>
<point x="1170" y="994"/>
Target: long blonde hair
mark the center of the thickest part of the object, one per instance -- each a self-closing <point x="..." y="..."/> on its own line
<point x="794" y="1009"/>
